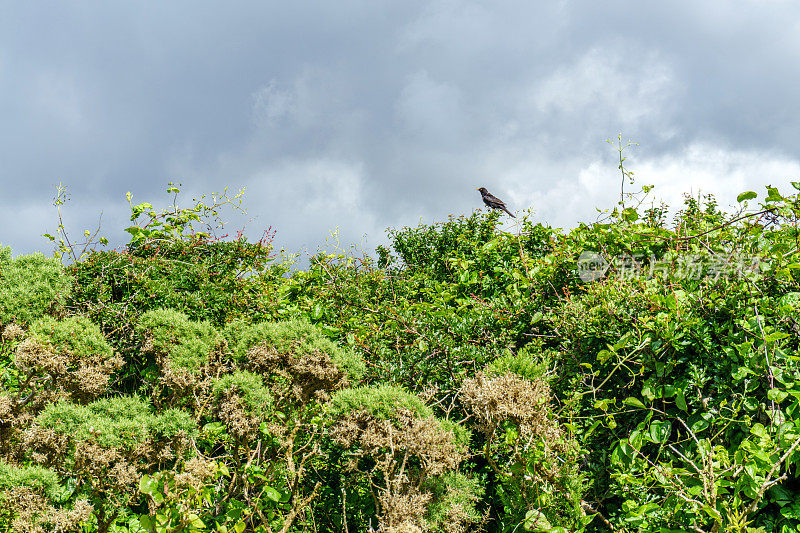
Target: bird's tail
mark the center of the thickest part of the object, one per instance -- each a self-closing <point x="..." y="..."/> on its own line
<point x="507" y="211"/>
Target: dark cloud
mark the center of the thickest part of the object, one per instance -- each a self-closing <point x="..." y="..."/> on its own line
<point x="362" y="115"/>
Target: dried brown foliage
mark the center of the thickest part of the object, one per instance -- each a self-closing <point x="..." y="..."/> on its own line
<point x="499" y="403"/>
<point x="180" y="386"/>
<point x="13" y="332"/>
<point x="34" y="513"/>
<point x="402" y="453"/>
<point x="242" y="424"/>
<point x="308" y="375"/>
<point x="494" y="400"/>
<point x="49" y="373"/>
<point x="81" y="377"/>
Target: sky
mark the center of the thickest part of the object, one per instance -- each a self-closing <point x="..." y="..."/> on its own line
<point x="342" y="119"/>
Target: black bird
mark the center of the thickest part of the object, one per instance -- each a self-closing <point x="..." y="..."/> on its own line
<point x="493" y="201"/>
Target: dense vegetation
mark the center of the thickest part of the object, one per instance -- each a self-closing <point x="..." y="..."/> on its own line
<point x="632" y="374"/>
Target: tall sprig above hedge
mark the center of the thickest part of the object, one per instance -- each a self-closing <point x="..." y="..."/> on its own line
<point x="177" y="223"/>
<point x="73" y="251"/>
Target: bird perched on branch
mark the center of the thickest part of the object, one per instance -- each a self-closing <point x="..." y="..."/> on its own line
<point x="493" y="201"/>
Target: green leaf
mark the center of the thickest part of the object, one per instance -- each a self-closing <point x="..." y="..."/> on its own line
<point x="776" y="395"/>
<point x="147" y="522"/>
<point x="778" y="335"/>
<point x="634" y="402"/>
<point x="622" y="454"/>
<point x="629" y="214"/>
<point x="489" y="246"/>
<point x="272" y="494"/>
<point x="590" y="430"/>
<point x="660" y="430"/>
<point x="148" y="485"/>
<point x="535" y="520"/>
<point x="603" y="355"/>
<point x="773" y="195"/>
<point x="680" y="401"/>
<point x="748" y="195"/>
<point x="603" y="404"/>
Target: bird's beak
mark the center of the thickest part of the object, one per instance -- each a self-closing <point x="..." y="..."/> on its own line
<point x="477" y="189"/>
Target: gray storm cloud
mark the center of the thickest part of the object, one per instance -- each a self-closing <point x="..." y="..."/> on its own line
<point x="355" y="116"/>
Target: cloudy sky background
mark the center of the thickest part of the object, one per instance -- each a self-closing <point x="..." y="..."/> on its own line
<point x="360" y="115"/>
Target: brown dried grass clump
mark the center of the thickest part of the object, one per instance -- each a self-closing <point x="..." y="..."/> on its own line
<point x="179" y="385"/>
<point x="241" y="422"/>
<point x="35" y="514"/>
<point x="497" y="399"/>
<point x="14" y="419"/>
<point x="13" y="332"/>
<point x="538" y="441"/>
<point x="405" y="451"/>
<point x="196" y="472"/>
<point x="117" y="472"/>
<point x="82" y="377"/>
<point x="308" y="375"/>
<point x="423" y="438"/>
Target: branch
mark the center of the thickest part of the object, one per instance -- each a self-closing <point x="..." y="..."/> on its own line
<point x="767" y="483"/>
<point x="690" y="237"/>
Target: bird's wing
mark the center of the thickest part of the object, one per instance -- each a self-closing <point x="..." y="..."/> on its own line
<point x="489" y="197"/>
<point x="495" y="200"/>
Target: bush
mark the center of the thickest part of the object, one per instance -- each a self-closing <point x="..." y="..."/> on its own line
<point x="300" y="339"/>
<point x="71" y="354"/>
<point x="179" y="342"/>
<point x="30" y="287"/>
<point x="107" y="446"/>
<point x="400" y="447"/>
<point x="32" y="498"/>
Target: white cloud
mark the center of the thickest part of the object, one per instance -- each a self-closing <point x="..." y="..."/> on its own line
<point x="609" y="81"/>
<point x="700" y="168"/>
<point x="708" y="168"/>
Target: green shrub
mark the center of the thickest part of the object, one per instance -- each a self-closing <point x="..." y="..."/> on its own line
<point x="107" y="446"/>
<point x="255" y="397"/>
<point x="184" y="343"/>
<point x="33" y="499"/>
<point x="242" y="402"/>
<point x="525" y="363"/>
<point x="454" y="498"/>
<point x="400" y="447"/>
<point x="71" y="352"/>
<point x="382" y="402"/>
<point x="31" y="286"/>
<point x="75" y="336"/>
<point x="299" y="338"/>
<point x="37" y="478"/>
<point x="125" y="422"/>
